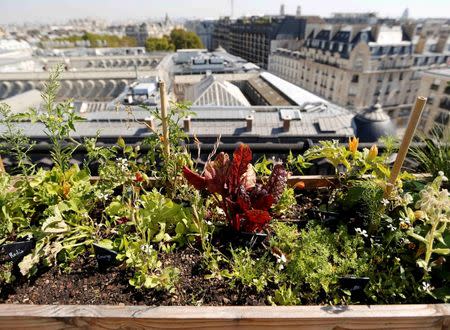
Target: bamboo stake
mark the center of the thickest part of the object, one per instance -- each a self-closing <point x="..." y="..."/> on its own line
<point x="165" y="126"/>
<point x="407" y="138"/>
<point x="2" y="166"/>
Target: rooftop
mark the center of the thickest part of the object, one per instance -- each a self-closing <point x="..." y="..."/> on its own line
<point x="24" y="101"/>
<point x="199" y="61"/>
<point x="297" y="95"/>
<point x="211" y="91"/>
<point x="214" y="121"/>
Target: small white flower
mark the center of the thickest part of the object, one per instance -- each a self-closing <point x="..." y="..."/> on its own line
<point x="385" y="202"/>
<point x="122" y="163"/>
<point x="406" y="220"/>
<point x="281" y="260"/>
<point x="408" y="198"/>
<point x="103" y="197"/>
<point x="146" y="248"/>
<point x="209" y="223"/>
<point x="391" y="227"/>
<point x="361" y="232"/>
<point x="426" y="286"/>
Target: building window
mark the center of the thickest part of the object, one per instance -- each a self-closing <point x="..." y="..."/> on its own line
<point x="400" y="77"/>
<point x="445" y="103"/>
<point x="355" y="78"/>
<point x="442" y="118"/>
<point x="447" y="90"/>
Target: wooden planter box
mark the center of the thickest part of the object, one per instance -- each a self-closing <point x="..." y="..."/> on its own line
<point x="49" y="317"/>
<point x="433" y="316"/>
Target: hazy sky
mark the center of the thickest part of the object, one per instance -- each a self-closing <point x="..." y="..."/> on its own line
<point x="19" y="11"/>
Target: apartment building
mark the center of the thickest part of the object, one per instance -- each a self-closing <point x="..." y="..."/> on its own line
<point x="435" y="85"/>
<point x="356" y="65"/>
<point x="251" y="37"/>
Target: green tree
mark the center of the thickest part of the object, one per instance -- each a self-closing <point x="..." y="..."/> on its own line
<point x="185" y="39"/>
<point x="155" y="44"/>
<point x="96" y="40"/>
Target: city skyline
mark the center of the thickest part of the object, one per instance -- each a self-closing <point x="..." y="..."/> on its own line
<point x="32" y="11"/>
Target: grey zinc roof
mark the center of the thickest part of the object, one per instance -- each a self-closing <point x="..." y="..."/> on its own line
<point x="215" y="121"/>
<point x="24" y="101"/>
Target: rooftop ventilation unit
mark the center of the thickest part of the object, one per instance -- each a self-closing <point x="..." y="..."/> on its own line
<point x="293" y="114"/>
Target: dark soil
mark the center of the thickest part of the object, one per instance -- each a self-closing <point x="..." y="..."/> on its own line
<point x="86" y="285"/>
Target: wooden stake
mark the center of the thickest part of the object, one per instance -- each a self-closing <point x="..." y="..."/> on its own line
<point x="407" y="138"/>
<point x="2" y="166"/>
<point x="165" y="124"/>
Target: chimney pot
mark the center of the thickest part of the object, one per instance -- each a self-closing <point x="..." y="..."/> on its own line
<point x="249" y="121"/>
<point x="187" y="124"/>
<point x="287" y="123"/>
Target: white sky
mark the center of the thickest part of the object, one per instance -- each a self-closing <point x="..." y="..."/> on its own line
<point x="19" y="11"/>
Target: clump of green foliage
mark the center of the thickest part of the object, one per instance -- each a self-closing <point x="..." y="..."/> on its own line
<point x="98" y="40"/>
<point x="178" y="39"/>
<point x="434" y="155"/>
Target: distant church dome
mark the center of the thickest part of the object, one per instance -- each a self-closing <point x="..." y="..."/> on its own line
<point x="371" y="124"/>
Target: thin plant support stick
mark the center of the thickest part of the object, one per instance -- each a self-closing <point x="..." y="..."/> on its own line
<point x="407" y="138"/>
<point x="2" y="166"/>
<point x="165" y="126"/>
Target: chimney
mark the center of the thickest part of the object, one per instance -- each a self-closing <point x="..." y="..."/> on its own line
<point x="187" y="124"/>
<point x="149" y="121"/>
<point x="249" y="121"/>
<point x="299" y="11"/>
<point x="282" y="10"/>
<point x="286" y="123"/>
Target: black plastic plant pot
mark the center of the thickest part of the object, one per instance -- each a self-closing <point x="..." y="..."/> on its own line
<point x="106" y="258"/>
<point x="15" y="251"/>
<point x="355" y="285"/>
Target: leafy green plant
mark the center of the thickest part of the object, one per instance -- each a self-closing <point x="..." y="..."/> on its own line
<point x="148" y="270"/>
<point x="434" y="203"/>
<point x="320" y="258"/>
<point x="284" y="296"/>
<point x="296" y="164"/>
<point x="248" y="270"/>
<point x="14" y="142"/>
<point x="285" y="203"/>
<point x="58" y="119"/>
<point x="63" y="228"/>
<point x="365" y="197"/>
<point x="434" y="156"/>
<point x="160" y="220"/>
<point x="355" y="163"/>
<point x="14" y="208"/>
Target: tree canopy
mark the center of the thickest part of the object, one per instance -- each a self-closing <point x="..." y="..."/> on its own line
<point x="178" y="39"/>
<point x="161" y="44"/>
<point x="97" y="40"/>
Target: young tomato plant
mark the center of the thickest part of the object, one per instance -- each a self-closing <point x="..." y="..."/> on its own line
<point x="246" y="204"/>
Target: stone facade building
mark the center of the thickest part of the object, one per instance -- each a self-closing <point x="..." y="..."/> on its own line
<point x="356" y="65"/>
<point x="251" y="37"/>
<point x="435" y="85"/>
